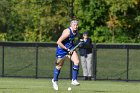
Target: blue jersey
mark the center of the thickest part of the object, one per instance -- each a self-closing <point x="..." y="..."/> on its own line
<point x="68" y="43"/>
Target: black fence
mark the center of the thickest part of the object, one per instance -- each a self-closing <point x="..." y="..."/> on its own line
<point x="37" y="60"/>
<point x="116" y="61"/>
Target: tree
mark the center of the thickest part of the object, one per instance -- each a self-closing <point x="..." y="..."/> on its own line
<point x="121" y="19"/>
<point x="37" y="20"/>
<point x="115" y="21"/>
<point x="4" y="10"/>
<point x="92" y="14"/>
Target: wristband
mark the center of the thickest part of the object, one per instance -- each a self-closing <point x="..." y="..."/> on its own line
<point x="68" y="50"/>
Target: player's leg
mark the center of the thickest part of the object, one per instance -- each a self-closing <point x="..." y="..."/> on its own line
<point x="75" y="60"/>
<point x="59" y="64"/>
<point x="89" y="65"/>
<point x="84" y="67"/>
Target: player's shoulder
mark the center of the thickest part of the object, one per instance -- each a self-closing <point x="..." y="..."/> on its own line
<point x="66" y="31"/>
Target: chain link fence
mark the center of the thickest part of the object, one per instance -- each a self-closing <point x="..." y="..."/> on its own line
<point x="37" y="60"/>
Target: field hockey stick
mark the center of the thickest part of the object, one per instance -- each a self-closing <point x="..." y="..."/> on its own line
<point x="71" y="50"/>
<point x="81" y="42"/>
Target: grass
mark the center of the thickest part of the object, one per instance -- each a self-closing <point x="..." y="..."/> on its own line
<point x="29" y="85"/>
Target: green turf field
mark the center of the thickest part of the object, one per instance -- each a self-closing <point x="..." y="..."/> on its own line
<point x="23" y="85"/>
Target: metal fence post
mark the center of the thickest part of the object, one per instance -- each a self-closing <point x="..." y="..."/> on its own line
<point x="94" y="60"/>
<point x="70" y="70"/>
<point x="127" y="69"/>
<point x="36" y="60"/>
<point x="2" y="61"/>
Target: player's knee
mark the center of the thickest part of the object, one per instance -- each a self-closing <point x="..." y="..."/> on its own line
<point x="58" y="67"/>
<point x="59" y="64"/>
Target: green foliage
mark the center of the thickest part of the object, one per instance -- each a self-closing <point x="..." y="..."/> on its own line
<point x="36" y="21"/>
<point x="101" y="34"/>
<point x="91" y="14"/>
<point x="3" y="37"/>
<point x="4" y="10"/>
<point x="44" y="20"/>
<point x="123" y="15"/>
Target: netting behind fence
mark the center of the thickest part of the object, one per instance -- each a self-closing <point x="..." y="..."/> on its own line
<point x="134" y="66"/>
<point x="19" y="61"/>
<point x="26" y="62"/>
<point x="111" y="64"/>
<point x="117" y="62"/>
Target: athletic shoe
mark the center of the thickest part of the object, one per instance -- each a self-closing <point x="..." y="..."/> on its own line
<point x="89" y="78"/>
<point x="75" y="83"/>
<point x="85" y="78"/>
<point x="55" y="85"/>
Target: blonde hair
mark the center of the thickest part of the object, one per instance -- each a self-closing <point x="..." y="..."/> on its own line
<point x="74" y="21"/>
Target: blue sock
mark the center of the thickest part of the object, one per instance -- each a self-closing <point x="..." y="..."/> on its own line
<point x="75" y="72"/>
<point x="56" y="74"/>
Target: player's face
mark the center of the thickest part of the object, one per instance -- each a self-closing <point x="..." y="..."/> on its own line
<point x="74" y="26"/>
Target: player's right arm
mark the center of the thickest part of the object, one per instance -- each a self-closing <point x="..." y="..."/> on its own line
<point x="64" y="35"/>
